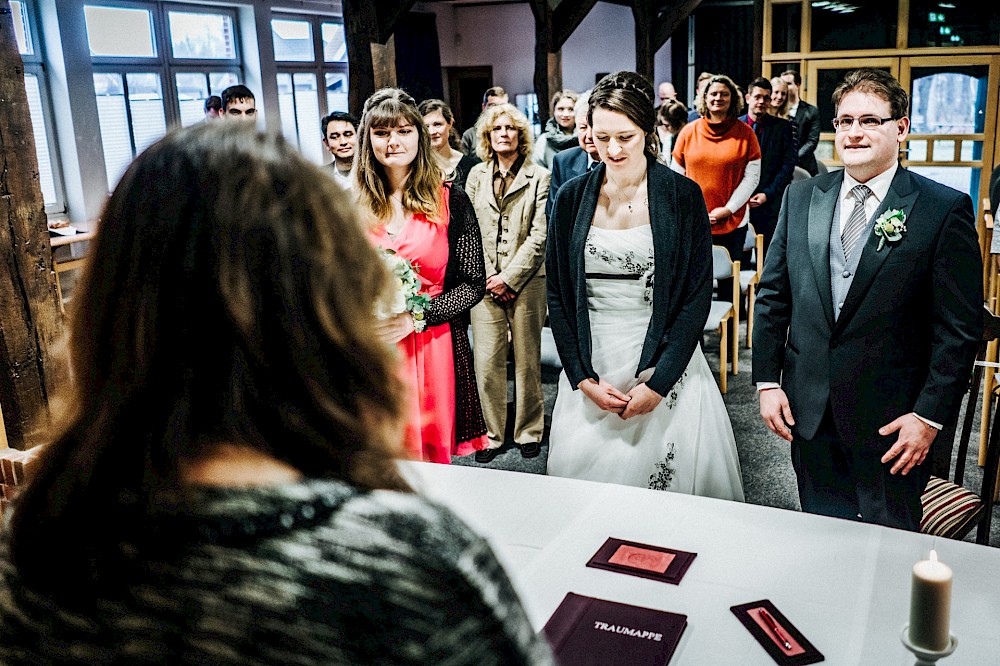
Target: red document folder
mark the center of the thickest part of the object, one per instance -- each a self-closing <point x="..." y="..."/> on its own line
<point x="587" y="631"/>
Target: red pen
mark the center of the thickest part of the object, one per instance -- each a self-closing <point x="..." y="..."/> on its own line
<point x="769" y="620"/>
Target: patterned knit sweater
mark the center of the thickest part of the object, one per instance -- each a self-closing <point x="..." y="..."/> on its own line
<point x="309" y="573"/>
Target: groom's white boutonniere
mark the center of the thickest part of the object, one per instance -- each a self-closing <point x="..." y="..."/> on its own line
<point x="890" y="226"/>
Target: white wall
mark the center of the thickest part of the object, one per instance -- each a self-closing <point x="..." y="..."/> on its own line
<point x="503" y="36"/>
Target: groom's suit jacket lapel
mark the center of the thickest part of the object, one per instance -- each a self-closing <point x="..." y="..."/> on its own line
<point x="901" y="195"/>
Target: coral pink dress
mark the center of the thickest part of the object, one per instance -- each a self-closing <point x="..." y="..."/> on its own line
<point x="428" y="361"/>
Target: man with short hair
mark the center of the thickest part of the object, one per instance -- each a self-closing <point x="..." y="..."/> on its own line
<point x="238" y="103"/>
<point x="779" y="150"/>
<point x="577" y="160"/>
<point x="806" y="118"/>
<point x="340" y="138"/>
<point x="492" y="97"/>
<point x="868" y="316"/>
<point x="213" y="107"/>
<point x="666" y="92"/>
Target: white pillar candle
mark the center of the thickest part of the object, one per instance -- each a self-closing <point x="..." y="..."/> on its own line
<point x="930" y="604"/>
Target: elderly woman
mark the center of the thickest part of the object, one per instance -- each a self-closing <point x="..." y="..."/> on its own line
<point x="509" y="193"/>
<point x="223" y="488"/>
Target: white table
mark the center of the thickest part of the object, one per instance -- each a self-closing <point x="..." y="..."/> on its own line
<point x="845" y="585"/>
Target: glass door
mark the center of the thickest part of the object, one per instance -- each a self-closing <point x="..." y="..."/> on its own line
<point x="952" y="102"/>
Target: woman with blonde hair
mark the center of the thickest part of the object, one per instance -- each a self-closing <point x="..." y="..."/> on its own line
<point x="224" y="487"/>
<point x="560" y="129"/>
<point x="412" y="212"/>
<point x="779" y="98"/>
<point x="721" y="153"/>
<point x="509" y="194"/>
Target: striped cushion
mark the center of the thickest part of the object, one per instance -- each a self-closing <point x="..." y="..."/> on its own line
<point x="947" y="508"/>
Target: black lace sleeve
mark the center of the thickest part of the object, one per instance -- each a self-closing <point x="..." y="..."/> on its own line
<point x="465" y="275"/>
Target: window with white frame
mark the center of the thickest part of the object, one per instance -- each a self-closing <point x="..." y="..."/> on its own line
<point x="311" y="57"/>
<point x="155" y="64"/>
<point x="39" y="105"/>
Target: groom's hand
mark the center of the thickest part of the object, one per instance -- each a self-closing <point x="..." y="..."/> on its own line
<point x="912" y="445"/>
<point x="776" y="413"/>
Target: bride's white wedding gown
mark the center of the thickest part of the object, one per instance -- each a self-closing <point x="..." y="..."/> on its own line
<point x="686" y="443"/>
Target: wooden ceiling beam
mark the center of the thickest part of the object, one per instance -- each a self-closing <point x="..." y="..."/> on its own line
<point x="566" y="18"/>
<point x="671" y="16"/>
<point x="388" y="13"/>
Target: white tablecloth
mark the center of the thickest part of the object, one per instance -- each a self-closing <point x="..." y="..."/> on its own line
<point x="845" y="585"/>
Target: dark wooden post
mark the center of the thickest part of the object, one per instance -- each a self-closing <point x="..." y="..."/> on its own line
<point x="642" y="11"/>
<point x="359" y="29"/>
<point x="543" y="48"/>
<point x="30" y="317"/>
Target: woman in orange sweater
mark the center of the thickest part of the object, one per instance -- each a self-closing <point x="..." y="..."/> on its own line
<point x="721" y="153"/>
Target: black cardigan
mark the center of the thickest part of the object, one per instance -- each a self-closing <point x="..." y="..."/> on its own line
<point x="464" y="286"/>
<point x="682" y="288"/>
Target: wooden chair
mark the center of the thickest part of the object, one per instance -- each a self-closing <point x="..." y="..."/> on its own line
<point x="749" y="278"/>
<point x="951" y="510"/>
<point x="725" y="312"/>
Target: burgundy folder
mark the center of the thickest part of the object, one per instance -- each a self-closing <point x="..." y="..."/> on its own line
<point x="586" y="631"/>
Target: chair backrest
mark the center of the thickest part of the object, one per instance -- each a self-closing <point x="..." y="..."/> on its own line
<point x="991" y="332"/>
<point x="751" y="238"/>
<point x="800" y="174"/>
<point x="722" y="263"/>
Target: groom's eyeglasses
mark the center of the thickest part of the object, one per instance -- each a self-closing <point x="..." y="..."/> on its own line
<point x="866" y="122"/>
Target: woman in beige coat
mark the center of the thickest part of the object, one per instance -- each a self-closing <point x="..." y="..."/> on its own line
<point x="509" y="193"/>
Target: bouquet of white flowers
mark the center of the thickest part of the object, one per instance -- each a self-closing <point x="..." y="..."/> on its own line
<point x="405" y="295"/>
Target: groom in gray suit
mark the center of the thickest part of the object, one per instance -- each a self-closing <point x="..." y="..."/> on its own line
<point x="867" y="317"/>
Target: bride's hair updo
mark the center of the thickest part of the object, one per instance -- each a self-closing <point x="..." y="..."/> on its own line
<point x="630" y="94"/>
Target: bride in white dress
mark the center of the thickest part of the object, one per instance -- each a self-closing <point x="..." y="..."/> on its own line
<point x="630" y="259"/>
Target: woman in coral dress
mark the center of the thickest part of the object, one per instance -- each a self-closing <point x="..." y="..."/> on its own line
<point x="414" y="213"/>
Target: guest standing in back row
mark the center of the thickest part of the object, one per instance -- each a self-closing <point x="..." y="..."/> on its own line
<point x="413" y="212"/>
<point x="630" y="284"/>
<point x="779" y="151"/>
<point x="509" y="193"/>
<point x="722" y="155"/>
<point x="864" y="337"/>
<point x="560" y="130"/>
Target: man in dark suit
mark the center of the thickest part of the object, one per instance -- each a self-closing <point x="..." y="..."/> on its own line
<point x="865" y="335"/>
<point x="572" y="162"/>
<point x="779" y="150"/>
<point x="806" y="118"/>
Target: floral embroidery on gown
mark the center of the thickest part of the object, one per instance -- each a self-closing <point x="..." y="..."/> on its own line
<point x="686" y="444"/>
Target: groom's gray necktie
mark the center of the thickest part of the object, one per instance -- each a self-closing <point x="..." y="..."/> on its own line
<point x="855" y="226"/>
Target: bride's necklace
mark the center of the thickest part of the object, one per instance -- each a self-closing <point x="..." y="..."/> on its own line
<point x="619" y="193"/>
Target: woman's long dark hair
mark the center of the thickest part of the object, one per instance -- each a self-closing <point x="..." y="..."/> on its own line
<point x="227" y="300"/>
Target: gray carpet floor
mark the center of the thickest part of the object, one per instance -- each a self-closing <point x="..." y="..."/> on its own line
<point x="768" y="478"/>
